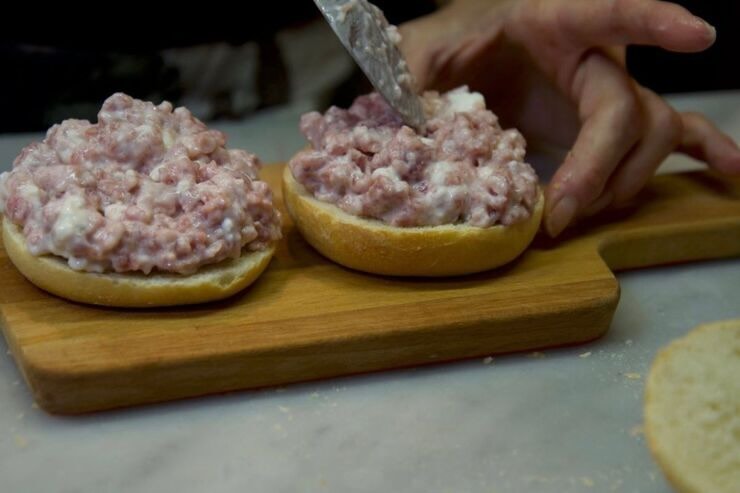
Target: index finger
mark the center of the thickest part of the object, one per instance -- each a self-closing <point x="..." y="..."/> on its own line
<point x="623" y="22"/>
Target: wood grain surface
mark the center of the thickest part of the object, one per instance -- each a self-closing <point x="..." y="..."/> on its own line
<point x="307" y="318"/>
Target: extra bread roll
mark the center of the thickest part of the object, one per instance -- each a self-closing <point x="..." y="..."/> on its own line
<point x="372" y="246"/>
<point x="212" y="282"/>
<point x="692" y="410"/>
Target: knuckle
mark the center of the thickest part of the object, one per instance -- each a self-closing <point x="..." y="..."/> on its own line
<point x="628" y="111"/>
<point x="668" y="124"/>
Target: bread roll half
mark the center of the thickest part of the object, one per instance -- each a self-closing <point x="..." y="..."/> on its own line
<point x="209" y="283"/>
<point x="372" y="246"/>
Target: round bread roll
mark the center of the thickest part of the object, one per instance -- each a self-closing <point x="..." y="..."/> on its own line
<point x="372" y="246"/>
<point x="209" y="283"/>
<point x="692" y="410"/>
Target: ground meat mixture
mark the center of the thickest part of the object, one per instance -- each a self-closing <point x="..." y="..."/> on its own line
<point x="464" y="169"/>
<point x="146" y="188"/>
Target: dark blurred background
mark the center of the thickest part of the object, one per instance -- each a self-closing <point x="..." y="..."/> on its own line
<point x="715" y="69"/>
<point x="225" y="65"/>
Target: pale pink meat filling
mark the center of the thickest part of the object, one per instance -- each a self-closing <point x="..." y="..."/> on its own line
<point x="464" y="169"/>
<point x="145" y="188"/>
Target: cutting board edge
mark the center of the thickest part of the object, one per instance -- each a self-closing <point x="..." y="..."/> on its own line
<point x="75" y="393"/>
<point x="603" y="294"/>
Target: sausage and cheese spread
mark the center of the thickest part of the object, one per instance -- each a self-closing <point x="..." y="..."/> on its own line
<point x="146" y="188"/>
<point x="464" y="169"/>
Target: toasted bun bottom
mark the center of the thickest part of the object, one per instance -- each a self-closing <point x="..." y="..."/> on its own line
<point x="211" y="282"/>
<point x="372" y="246"/>
<point x="692" y="409"/>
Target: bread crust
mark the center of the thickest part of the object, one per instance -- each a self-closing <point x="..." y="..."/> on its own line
<point x="209" y="283"/>
<point x="371" y="246"/>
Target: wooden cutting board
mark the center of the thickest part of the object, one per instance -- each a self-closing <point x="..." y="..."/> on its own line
<point x="307" y="318"/>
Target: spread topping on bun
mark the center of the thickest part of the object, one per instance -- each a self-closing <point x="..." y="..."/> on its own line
<point x="465" y="169"/>
<point x="146" y="188"/>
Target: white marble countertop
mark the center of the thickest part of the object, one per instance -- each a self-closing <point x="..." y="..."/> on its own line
<point x="564" y="420"/>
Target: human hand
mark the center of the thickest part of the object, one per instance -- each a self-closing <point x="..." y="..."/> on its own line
<point x="555" y="69"/>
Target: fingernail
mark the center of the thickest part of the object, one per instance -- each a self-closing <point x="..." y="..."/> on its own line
<point x="561" y="214"/>
<point x="710" y="28"/>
